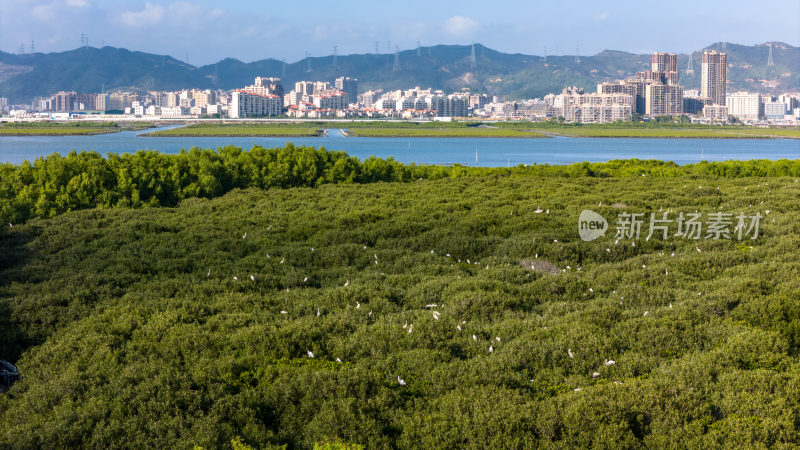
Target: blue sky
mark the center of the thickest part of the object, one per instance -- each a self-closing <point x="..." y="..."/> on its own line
<point x="211" y="30"/>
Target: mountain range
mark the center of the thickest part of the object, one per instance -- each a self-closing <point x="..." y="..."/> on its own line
<point x="449" y="67"/>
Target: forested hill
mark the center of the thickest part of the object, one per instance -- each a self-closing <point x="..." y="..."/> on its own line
<point x="88" y="69"/>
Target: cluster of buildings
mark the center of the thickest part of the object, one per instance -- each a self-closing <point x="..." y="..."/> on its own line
<point x="654" y="92"/>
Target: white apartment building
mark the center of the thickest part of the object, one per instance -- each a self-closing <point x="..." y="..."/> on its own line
<point x="246" y="104"/>
<point x="595" y="108"/>
<point x="172" y="111"/>
<point x="744" y="105"/>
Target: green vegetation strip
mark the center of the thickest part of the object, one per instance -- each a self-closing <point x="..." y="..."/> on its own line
<point x="143" y="327"/>
<point x="441" y="132"/>
<point x="57" y="184"/>
<point x="72" y="128"/>
<point x="242" y="129"/>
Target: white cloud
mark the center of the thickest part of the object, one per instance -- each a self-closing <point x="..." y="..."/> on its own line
<point x="602" y="16"/>
<point x="77" y="3"/>
<point x="460" y="26"/>
<point x="149" y="15"/>
<point x="43" y="12"/>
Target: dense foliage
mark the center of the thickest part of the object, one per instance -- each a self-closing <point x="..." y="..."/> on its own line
<point x="58" y="184"/>
<point x="143" y="328"/>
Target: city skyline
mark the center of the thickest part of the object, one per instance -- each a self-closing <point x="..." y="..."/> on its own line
<point x="203" y="33"/>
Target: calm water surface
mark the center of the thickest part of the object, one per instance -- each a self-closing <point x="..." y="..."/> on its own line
<point x="491" y="152"/>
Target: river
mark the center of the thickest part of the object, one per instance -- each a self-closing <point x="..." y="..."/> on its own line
<point x="487" y="152"/>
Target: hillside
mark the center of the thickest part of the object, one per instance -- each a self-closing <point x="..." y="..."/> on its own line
<point x="448" y="67"/>
<point x="449" y="313"/>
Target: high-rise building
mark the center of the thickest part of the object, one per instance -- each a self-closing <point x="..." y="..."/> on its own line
<point x="663" y="99"/>
<point x="666" y="65"/>
<point x="350" y="86"/>
<point x="3" y="104"/>
<point x="714" y="76"/>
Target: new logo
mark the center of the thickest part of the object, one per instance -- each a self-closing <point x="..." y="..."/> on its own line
<point x="591" y="225"/>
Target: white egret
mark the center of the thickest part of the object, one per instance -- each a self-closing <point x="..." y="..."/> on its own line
<point x="401" y="381"/>
<point x="595" y="374"/>
<point x="410" y="328"/>
<point x="310" y="354"/>
<point x="284" y="312"/>
<point x="209" y="273"/>
<point x="358" y="305"/>
<point x="569" y="352"/>
<point x="645" y="313"/>
<point x="497" y="339"/>
<point x="317" y="312"/>
<point x="282" y="260"/>
<point x="252" y="278"/>
<point x="458" y="327"/>
<point x="491" y="349"/>
<point x="305" y="279"/>
<point x="698" y="250"/>
<point x="244" y="235"/>
<point x="538" y="210"/>
<point x="338" y="360"/>
<point x="610" y="362"/>
<point x="235" y="279"/>
<point x="474" y="338"/>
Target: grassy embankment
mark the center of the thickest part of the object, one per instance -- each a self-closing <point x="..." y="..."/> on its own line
<point x="143" y="327"/>
<point x="73" y="128"/>
<point x="243" y="130"/>
<point x="481" y="129"/>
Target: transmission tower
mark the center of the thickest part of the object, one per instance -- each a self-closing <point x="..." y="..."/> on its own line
<point x="335" y="57"/>
<point x="377" y="49"/>
<point x="283" y="70"/>
<point x="21" y="49"/>
<point x="769" y="58"/>
<point x="419" y="50"/>
<point x="396" y="66"/>
<point x="577" y="53"/>
<point x="473" y="64"/>
<point x="308" y="63"/>
<point x="690" y="67"/>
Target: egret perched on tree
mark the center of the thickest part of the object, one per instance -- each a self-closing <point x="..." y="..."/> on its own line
<point x="244" y="235"/>
<point x="401" y="381"/>
<point x="610" y="362"/>
<point x="252" y="278"/>
<point x="569" y="352"/>
<point x="310" y="354"/>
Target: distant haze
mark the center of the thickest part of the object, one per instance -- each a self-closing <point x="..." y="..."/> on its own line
<point x="206" y="31"/>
